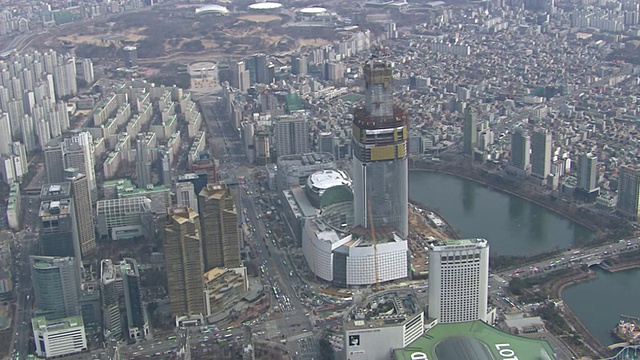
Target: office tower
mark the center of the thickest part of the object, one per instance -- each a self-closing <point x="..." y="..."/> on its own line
<point x="520" y="149"/>
<point x="240" y="76"/>
<point x="326" y="143"/>
<point x="250" y="67"/>
<point x="137" y="323"/>
<point x="263" y="149"/>
<point x="299" y="64"/>
<point x="220" y="233"/>
<point x="541" y="154"/>
<point x="380" y="171"/>
<point x="458" y="280"/>
<point x="262" y="69"/>
<point x="74" y="152"/>
<point x="112" y="321"/>
<point x="143" y="161"/>
<point x="587" y="173"/>
<point x="470" y="132"/>
<point x="5" y="134"/>
<point x="292" y="135"/>
<point x="82" y="208"/>
<point x="54" y="161"/>
<point x="58" y="232"/>
<point x="629" y="192"/>
<point x="56" y="283"/>
<point x="130" y="57"/>
<point x="184" y="263"/>
<point x="58" y="338"/>
<point x="186" y="196"/>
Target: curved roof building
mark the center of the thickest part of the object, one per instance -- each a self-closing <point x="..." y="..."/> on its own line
<point x="212" y="8"/>
<point x="313" y="10"/>
<point x="321" y="189"/>
<point x="265" y="6"/>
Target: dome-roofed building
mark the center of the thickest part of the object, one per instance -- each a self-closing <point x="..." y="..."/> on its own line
<point x="212" y="9"/>
<point x="327" y="187"/>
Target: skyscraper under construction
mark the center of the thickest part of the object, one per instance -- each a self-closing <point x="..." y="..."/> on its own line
<point x="380" y="167"/>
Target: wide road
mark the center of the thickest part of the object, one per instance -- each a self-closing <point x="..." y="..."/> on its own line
<point x="27" y="244"/>
<point x="572" y="258"/>
<point x="295" y="319"/>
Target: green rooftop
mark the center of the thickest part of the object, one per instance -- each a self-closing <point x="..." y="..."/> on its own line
<point x="293" y="102"/>
<point x="59" y="324"/>
<point x="474" y="341"/>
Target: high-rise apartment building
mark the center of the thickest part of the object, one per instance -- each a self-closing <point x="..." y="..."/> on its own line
<point x="458" y="280"/>
<point x="143" y="161"/>
<point x="137" y="322"/>
<point x="5" y="134"/>
<point x="82" y="208"/>
<point x="184" y="263"/>
<point x="56" y="283"/>
<point x="629" y="192"/>
<point x="541" y="154"/>
<point x="292" y="135"/>
<point x="380" y="169"/>
<point x="110" y="289"/>
<point x="587" y="173"/>
<point x="220" y="232"/>
<point x="520" y="151"/>
<point x="186" y="195"/>
<point x="470" y="132"/>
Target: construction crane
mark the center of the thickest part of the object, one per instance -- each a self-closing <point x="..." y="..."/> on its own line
<point x="375" y="246"/>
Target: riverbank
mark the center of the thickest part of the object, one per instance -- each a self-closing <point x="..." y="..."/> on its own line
<point x="604" y="227"/>
<point x="558" y="285"/>
<point x="450" y="232"/>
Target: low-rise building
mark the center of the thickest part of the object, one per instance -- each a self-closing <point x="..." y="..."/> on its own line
<point x="224" y="287"/>
<point x="124" y="218"/>
<point x="381" y="324"/>
<point x="60" y="337"/>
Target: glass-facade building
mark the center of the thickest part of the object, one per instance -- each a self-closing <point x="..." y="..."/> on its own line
<point x="380" y="166"/>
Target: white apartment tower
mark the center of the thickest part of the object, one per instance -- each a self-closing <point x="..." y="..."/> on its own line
<point x="458" y="280"/>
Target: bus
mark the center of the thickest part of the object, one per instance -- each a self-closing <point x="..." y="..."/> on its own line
<point x="171" y="337"/>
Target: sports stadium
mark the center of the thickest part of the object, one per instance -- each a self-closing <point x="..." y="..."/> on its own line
<point x="212" y="9"/>
<point x="268" y="7"/>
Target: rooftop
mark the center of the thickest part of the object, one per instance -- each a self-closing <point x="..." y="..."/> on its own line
<point x="325" y="179"/>
<point x="305" y="159"/>
<point x="56" y="325"/>
<point x="386" y="309"/>
<point x="474" y="340"/>
<point x="55" y="208"/>
<point x="62" y="189"/>
<point x="466" y="243"/>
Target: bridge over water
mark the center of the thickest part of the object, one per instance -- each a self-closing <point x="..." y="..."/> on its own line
<point x="629" y="352"/>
